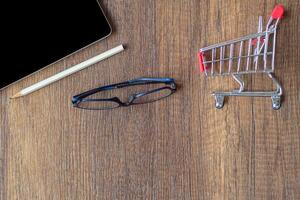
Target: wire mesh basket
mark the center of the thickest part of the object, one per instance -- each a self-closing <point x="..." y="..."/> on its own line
<point x="247" y="55"/>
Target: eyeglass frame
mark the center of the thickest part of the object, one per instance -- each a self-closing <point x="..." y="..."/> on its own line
<point x="170" y="84"/>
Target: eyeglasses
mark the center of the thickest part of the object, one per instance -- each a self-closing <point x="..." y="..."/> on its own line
<point x="138" y="91"/>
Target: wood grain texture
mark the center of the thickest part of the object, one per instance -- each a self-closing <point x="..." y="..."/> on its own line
<point x="177" y="148"/>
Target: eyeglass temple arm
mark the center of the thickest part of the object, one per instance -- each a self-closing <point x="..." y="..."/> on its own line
<point x="158" y="80"/>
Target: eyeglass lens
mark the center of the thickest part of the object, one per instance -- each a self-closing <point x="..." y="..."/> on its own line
<point x="97" y="105"/>
<point x="153" y="96"/>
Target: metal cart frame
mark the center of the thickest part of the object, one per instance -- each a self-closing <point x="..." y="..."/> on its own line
<point x="247" y="55"/>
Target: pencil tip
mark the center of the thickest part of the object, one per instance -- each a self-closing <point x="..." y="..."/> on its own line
<point x="16" y="95"/>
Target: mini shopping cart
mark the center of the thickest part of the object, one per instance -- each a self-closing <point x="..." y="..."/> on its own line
<point x="247" y="55"/>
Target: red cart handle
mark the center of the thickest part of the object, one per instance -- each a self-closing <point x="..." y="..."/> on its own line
<point x="201" y="60"/>
<point x="278" y="12"/>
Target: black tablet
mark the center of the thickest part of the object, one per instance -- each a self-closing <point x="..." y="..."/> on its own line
<point x="38" y="33"/>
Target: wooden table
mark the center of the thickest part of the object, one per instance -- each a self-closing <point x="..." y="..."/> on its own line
<point x="177" y="148"/>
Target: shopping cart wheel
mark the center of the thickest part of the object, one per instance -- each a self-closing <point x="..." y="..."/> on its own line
<point x="219" y="101"/>
<point x="276" y="102"/>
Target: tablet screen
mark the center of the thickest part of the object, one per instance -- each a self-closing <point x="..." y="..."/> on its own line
<point x="38" y="33"/>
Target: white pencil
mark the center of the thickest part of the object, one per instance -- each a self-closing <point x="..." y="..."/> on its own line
<point x="69" y="71"/>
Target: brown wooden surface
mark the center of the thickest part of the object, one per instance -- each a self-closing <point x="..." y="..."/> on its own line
<point x="177" y="148"/>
